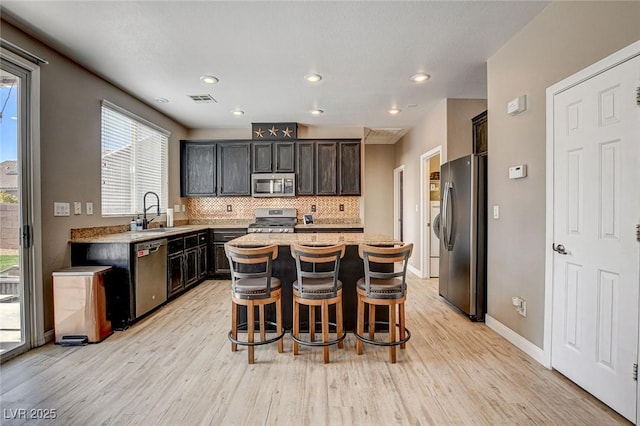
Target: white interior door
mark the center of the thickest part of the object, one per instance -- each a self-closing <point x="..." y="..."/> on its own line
<point x="596" y="211"/>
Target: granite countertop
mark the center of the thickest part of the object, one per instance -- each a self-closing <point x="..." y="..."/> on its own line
<point x="313" y="239"/>
<point x="138" y="236"/>
<point x="154" y="233"/>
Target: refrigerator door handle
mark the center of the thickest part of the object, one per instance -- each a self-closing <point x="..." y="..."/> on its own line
<point x="443" y="214"/>
<point x="447" y="220"/>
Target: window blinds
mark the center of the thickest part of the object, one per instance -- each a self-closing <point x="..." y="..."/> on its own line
<point x="134" y="161"/>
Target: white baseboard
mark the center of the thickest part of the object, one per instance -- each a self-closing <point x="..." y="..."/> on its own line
<point x="415" y="271"/>
<point x="517" y="340"/>
<point x="49" y="336"/>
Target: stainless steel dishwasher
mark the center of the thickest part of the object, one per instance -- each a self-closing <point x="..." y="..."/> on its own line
<point x="150" y="275"/>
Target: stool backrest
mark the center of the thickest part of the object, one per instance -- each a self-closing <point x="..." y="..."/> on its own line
<point x="307" y="257"/>
<point x="258" y="259"/>
<point x="385" y="255"/>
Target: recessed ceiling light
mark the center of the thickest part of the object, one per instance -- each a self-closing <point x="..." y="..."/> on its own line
<point x="420" y="77"/>
<point x="237" y="112"/>
<point x="317" y="112"/>
<point x="394" y="111"/>
<point x="209" y="79"/>
<point x="313" y="78"/>
<point x="162" y="100"/>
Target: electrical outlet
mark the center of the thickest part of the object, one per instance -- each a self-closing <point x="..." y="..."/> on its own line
<point x="341" y="207"/>
<point x="229" y="208"/>
<point x="176" y="208"/>
<point x="523" y="308"/>
<point x="313" y="208"/>
<point x="77" y="207"/>
<point x="520" y="305"/>
<point x="184" y="208"/>
<point x="89" y="208"/>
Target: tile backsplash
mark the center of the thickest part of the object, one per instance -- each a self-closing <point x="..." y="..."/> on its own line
<point x="327" y="208"/>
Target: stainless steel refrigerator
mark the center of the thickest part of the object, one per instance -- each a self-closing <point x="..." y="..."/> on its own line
<point x="463" y="234"/>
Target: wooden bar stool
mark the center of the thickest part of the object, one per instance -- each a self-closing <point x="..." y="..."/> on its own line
<point x="252" y="285"/>
<point x="383" y="289"/>
<point x="318" y="285"/>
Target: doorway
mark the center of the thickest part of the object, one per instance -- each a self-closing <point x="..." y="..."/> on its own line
<point x="398" y="202"/>
<point x="21" y="321"/>
<point x="430" y="208"/>
<point x="593" y="257"/>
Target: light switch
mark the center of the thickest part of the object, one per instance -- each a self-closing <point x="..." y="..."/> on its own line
<point x="176" y="208"/>
<point x="61" y="209"/>
<point x="77" y="207"/>
<point x="183" y="208"/>
<point x="496" y="212"/>
<point x="89" y="208"/>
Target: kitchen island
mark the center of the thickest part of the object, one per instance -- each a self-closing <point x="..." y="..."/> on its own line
<point x="351" y="266"/>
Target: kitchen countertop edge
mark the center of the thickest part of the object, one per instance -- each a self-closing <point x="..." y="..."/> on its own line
<point x="321" y="239"/>
<point x="140" y="236"/>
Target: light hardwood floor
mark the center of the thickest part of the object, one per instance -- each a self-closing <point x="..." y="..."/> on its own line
<point x="176" y="368"/>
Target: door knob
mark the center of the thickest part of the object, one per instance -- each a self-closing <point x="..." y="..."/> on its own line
<point x="559" y="248"/>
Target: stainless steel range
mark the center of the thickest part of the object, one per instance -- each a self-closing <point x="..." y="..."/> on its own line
<point x="274" y="220"/>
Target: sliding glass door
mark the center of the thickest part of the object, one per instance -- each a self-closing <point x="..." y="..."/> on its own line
<point x="15" y="260"/>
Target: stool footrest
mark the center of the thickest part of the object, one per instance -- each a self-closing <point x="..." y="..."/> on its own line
<point x="321" y="343"/>
<point x="258" y="343"/>
<point x="381" y="343"/>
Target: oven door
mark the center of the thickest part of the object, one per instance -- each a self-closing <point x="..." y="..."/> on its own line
<point x="273" y="185"/>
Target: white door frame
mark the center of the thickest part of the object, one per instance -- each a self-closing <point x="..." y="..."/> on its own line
<point x="591" y="71"/>
<point x="425" y="210"/>
<point x="396" y="200"/>
<point x="36" y="291"/>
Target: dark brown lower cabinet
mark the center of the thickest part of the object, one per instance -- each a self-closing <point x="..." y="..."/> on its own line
<point x="219" y="258"/>
<point x="191" y="266"/>
<point x="175" y="266"/>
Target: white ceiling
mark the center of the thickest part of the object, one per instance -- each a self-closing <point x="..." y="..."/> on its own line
<point x="260" y="51"/>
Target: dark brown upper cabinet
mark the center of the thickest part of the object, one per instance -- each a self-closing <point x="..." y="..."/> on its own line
<point x="326" y="168"/>
<point x="197" y="169"/>
<point x="305" y="154"/>
<point x="262" y="157"/>
<point x="349" y="168"/>
<point x="284" y="157"/>
<point x="234" y="169"/>
<point x="480" y="134"/>
<point x="273" y="157"/>
<point x="223" y="168"/>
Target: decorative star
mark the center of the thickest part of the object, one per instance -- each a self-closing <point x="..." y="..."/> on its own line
<point x="259" y="133"/>
<point x="273" y="131"/>
<point x="287" y="132"/>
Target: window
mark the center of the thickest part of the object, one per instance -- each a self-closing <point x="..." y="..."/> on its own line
<point x="134" y="161"/>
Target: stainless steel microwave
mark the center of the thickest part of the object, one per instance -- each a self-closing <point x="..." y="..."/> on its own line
<point x="273" y="184"/>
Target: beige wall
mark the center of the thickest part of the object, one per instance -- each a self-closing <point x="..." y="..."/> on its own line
<point x="428" y="134"/>
<point x="564" y="38"/>
<point x="449" y="125"/>
<point x="459" y="129"/>
<point x="70" y="150"/>
<point x="378" y="188"/>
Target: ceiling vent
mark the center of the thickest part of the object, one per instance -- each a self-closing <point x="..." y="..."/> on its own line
<point x="384" y="136"/>
<point x="203" y="99"/>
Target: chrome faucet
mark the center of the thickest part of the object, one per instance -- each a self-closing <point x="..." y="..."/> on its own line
<point x="145" y="222"/>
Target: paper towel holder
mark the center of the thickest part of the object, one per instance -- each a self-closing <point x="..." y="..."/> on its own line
<point x="169" y="218"/>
